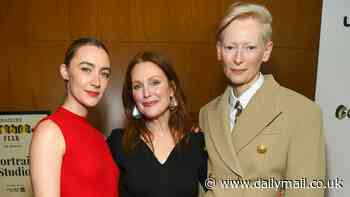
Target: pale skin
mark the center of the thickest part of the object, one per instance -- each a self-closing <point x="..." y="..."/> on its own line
<point x="163" y="142"/>
<point x="87" y="75"/>
<point x="242" y="52"/>
<point x="46" y="153"/>
<point x="151" y="92"/>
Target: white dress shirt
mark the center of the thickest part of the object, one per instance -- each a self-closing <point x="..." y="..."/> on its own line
<point x="243" y="99"/>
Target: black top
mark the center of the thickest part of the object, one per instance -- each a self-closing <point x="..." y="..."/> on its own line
<point x="142" y="175"/>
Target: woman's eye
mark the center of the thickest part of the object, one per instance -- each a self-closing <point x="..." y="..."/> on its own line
<point x="229" y="47"/>
<point x="86" y="69"/>
<point x="105" y="75"/>
<point x="250" y="47"/>
<point x="136" y="87"/>
<point x="155" y="82"/>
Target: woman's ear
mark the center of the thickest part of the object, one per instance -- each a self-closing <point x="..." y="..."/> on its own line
<point x="64" y="72"/>
<point x="267" y="52"/>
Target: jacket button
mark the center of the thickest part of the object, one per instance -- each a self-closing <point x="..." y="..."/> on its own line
<point x="261" y="148"/>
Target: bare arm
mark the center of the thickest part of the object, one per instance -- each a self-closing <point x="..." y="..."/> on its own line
<point x="46" y="153"/>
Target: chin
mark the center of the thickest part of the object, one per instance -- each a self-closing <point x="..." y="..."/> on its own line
<point x="237" y="80"/>
<point x="153" y="114"/>
<point x="91" y="103"/>
<point x="242" y="81"/>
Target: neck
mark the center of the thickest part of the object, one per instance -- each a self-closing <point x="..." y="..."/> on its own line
<point x="72" y="105"/>
<point x="160" y="125"/>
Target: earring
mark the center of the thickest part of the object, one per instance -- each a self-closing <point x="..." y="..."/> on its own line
<point x="136" y="113"/>
<point x="173" y="103"/>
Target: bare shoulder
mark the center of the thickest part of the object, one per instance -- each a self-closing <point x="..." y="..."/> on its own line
<point x="47" y="129"/>
<point x="48" y="135"/>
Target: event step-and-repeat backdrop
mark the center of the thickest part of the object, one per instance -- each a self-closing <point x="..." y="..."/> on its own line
<point x="333" y="91"/>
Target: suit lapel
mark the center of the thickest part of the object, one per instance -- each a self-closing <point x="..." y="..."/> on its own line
<point x="221" y="135"/>
<point x="258" y="114"/>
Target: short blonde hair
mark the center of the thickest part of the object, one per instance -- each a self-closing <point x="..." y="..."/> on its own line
<point x="241" y="10"/>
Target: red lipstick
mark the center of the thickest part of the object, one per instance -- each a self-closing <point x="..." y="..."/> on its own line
<point x="92" y="93"/>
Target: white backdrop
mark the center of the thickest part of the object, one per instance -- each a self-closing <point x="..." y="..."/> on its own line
<point x="333" y="89"/>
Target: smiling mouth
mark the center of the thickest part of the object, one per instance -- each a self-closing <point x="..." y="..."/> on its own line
<point x="149" y="104"/>
<point x="92" y="93"/>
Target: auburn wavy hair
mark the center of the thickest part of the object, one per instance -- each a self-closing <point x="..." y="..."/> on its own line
<point x="136" y="128"/>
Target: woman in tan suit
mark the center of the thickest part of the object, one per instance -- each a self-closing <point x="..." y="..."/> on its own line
<point x="263" y="139"/>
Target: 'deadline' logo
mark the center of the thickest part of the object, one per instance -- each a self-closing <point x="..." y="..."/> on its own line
<point x="346" y="21"/>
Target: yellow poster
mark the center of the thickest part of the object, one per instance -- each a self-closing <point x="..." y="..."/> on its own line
<point x="15" y="135"/>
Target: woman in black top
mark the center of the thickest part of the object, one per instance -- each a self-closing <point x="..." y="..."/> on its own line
<point x="156" y="155"/>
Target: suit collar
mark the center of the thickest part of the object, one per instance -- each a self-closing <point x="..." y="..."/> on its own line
<point x="258" y="114"/>
<point x="220" y="133"/>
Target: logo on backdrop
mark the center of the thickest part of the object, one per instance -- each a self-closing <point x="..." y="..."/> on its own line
<point x="346" y="21"/>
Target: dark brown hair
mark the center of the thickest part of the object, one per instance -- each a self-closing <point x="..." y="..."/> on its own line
<point x="76" y="44"/>
<point x="136" y="128"/>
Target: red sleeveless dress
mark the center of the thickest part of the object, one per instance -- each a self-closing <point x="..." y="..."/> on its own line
<point x="88" y="168"/>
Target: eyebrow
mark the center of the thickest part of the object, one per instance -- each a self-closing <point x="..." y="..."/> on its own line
<point x="93" y="65"/>
<point x="107" y="68"/>
<point x="150" y="78"/>
<point x="87" y="63"/>
<point x="155" y="76"/>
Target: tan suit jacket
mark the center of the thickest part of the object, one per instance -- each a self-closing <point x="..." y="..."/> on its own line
<point x="279" y="135"/>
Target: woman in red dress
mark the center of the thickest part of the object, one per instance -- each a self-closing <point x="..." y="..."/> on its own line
<point x="69" y="157"/>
